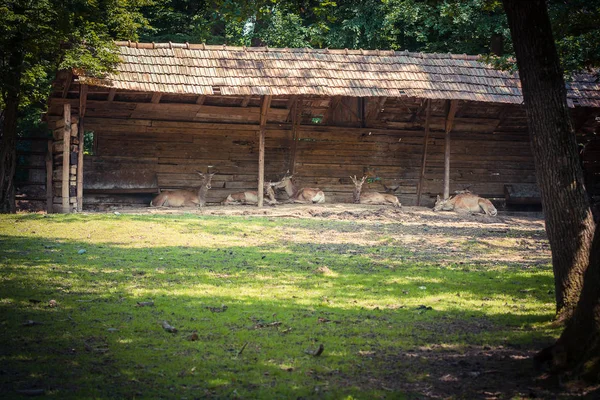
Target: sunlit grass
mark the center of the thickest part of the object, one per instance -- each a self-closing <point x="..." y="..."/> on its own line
<point x="260" y="294"/>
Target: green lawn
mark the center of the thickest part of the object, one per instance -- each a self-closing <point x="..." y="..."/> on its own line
<point x="393" y="311"/>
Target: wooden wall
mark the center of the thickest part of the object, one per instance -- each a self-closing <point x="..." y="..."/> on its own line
<point x="142" y="146"/>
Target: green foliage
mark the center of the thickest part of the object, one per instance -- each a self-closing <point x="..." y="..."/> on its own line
<point x="37" y="37"/>
<point x="88" y="143"/>
<point x="577" y="32"/>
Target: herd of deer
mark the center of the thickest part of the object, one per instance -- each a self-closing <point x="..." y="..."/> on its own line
<point x="463" y="201"/>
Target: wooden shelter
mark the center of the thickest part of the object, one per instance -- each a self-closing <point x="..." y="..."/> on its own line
<point x="417" y="124"/>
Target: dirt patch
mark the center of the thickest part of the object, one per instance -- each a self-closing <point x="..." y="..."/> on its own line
<point x="349" y="212"/>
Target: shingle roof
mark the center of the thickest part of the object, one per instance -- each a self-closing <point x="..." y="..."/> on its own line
<point x="226" y="70"/>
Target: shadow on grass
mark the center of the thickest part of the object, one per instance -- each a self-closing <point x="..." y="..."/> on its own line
<point x="370" y="314"/>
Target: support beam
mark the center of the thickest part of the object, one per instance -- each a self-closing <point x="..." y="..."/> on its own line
<point x="49" y="164"/>
<point x="66" y="157"/>
<point x="156" y="97"/>
<point x="264" y="110"/>
<point x="296" y="112"/>
<point x="424" y="156"/>
<point x="111" y="94"/>
<point x="293" y="99"/>
<point x="374" y="114"/>
<point x="200" y="100"/>
<point x="334" y="103"/>
<point x="246" y="101"/>
<point x="449" y="125"/>
<point x="81" y="134"/>
<point x="67" y="86"/>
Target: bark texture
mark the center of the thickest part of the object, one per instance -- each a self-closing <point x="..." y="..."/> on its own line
<point x="569" y="222"/>
<point x="578" y="349"/>
<point x="8" y="156"/>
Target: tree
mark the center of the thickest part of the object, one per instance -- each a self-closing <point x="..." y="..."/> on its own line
<point x="569" y="222"/>
<point x="39" y="36"/>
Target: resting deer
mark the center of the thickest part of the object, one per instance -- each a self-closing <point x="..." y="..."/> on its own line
<point x="303" y="195"/>
<point x="371" y="197"/>
<point x="251" y="196"/>
<point x="466" y="202"/>
<point x="185" y="198"/>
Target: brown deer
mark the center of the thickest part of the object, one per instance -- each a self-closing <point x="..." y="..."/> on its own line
<point x="303" y="195"/>
<point x="185" y="198"/>
<point x="371" y="197"/>
<point x="251" y="196"/>
<point x="465" y="202"/>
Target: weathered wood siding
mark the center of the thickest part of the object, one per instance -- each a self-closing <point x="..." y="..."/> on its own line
<point x="144" y="146"/>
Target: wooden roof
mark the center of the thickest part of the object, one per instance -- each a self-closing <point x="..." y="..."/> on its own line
<point x="208" y="70"/>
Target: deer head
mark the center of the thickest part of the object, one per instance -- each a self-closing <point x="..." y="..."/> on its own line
<point x="357" y="187"/>
<point x="439" y="204"/>
<point x="283" y="182"/>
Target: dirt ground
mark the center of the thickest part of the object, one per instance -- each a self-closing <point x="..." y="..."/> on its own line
<point x="479" y="371"/>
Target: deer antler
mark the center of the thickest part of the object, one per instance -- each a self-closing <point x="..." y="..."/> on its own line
<point x="356" y="182"/>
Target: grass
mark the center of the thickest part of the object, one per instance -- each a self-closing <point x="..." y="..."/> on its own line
<point x="260" y="294"/>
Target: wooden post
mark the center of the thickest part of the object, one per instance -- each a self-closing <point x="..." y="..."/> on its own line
<point x="424" y="157"/>
<point x="49" y="163"/>
<point x="295" y="136"/>
<point x="264" y="109"/>
<point x="449" y="124"/>
<point x="66" y="157"/>
<point x="82" y="105"/>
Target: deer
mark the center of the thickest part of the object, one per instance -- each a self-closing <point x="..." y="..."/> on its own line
<point x="371" y="197"/>
<point x="251" y="196"/>
<point x="466" y="202"/>
<point x="185" y="198"/>
<point x="302" y="195"/>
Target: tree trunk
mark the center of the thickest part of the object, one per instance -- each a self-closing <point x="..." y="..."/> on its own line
<point x="569" y="221"/>
<point x="8" y="156"/>
<point x="578" y="349"/>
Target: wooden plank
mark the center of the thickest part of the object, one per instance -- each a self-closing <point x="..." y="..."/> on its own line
<point x="65" y="162"/>
<point x="111" y="95"/>
<point x="264" y="111"/>
<point x="448" y="129"/>
<point x="245" y="101"/>
<point x="424" y="157"/>
<point x="200" y="99"/>
<point x="49" y="164"/>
